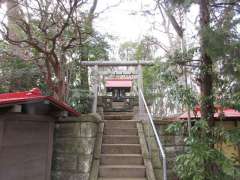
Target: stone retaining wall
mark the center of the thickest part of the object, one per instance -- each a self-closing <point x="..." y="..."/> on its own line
<point x="74" y="143"/>
<point x="173" y="145"/>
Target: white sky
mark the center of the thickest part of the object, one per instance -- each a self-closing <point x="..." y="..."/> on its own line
<point x="122" y="22"/>
<point x="118" y="20"/>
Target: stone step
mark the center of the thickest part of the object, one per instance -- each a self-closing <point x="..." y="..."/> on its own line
<point x="121" y="149"/>
<point x="121" y="159"/>
<point x="117" y="171"/>
<point x="118" y="117"/>
<point x="120" y="139"/>
<point x="120" y="124"/>
<point x="122" y="179"/>
<point x="119" y="113"/>
<point x="118" y="131"/>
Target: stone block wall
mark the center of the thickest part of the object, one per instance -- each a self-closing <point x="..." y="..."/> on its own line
<point x="173" y="145"/>
<point x="153" y="151"/>
<point x="74" y="143"/>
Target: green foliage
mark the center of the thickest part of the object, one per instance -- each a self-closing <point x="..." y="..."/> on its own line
<point x="142" y="50"/>
<point x="199" y="155"/>
<point x="185" y="95"/>
<point x="127" y="51"/>
<point x="233" y="136"/>
<point x="216" y="43"/>
<point x="165" y="81"/>
<point x="19" y="75"/>
<point x="81" y="100"/>
<point x="98" y="47"/>
<point x="228" y="94"/>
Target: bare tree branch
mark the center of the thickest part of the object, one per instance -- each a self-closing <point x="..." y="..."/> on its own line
<point x="50" y="30"/>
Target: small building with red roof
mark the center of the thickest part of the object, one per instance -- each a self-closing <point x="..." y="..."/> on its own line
<point x="118" y="87"/>
<point x="27" y="121"/>
<point x="33" y="100"/>
<point x="118" y="94"/>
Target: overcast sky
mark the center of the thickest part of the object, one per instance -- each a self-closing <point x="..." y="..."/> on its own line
<point x="126" y="21"/>
<point x="121" y="22"/>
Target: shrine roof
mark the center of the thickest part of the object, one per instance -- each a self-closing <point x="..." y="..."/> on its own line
<point x="34" y="95"/>
<point x="119" y="83"/>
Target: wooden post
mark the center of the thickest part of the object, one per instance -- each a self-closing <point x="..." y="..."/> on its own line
<point x="1" y="132"/>
<point x="95" y="89"/>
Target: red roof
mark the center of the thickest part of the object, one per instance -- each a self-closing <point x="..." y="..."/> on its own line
<point x="34" y="95"/>
<point x="227" y="113"/>
<point x="125" y="83"/>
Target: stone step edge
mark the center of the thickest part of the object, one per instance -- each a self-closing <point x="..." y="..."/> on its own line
<point x="120" y="120"/>
<point x="120" y="155"/>
<point x="121" y="128"/>
<point x="137" y="145"/>
<point x="119" y="115"/>
<point x="119" y="136"/>
<point x="123" y="166"/>
<point x="122" y="178"/>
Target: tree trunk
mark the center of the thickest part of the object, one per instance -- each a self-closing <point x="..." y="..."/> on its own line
<point x="84" y="51"/>
<point x="13" y="16"/>
<point x="55" y="77"/>
<point x="206" y="74"/>
<point x="60" y="91"/>
<point x="62" y="84"/>
<point x="206" y="79"/>
<point x="84" y="71"/>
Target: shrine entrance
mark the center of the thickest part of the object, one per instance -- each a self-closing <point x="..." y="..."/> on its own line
<point x="119" y="94"/>
<point x="118" y="87"/>
<point x="116" y="83"/>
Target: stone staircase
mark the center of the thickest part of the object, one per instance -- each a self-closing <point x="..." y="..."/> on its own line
<point x="121" y="151"/>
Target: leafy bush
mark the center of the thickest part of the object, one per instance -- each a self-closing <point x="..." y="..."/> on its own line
<point x="200" y="161"/>
<point x="81" y="100"/>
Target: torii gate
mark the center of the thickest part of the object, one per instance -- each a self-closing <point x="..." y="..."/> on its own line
<point x="96" y="64"/>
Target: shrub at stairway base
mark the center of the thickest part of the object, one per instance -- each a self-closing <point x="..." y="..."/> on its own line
<point x="73" y="147"/>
